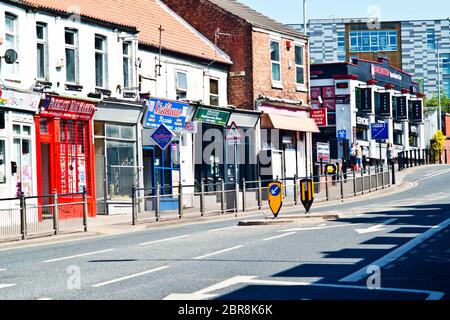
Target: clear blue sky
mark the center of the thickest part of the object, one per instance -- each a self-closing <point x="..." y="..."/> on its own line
<point x="291" y="11"/>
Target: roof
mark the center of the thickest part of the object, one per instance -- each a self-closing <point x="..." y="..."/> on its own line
<point x="146" y="16"/>
<point x="255" y="18"/>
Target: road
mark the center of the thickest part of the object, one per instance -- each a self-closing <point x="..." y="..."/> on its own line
<point x="391" y="247"/>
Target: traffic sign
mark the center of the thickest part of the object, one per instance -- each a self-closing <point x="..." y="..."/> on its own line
<point x="307" y="193"/>
<point x="234" y="133"/>
<point x="380" y="131"/>
<point x="342" y="134"/>
<point x="162" y="136"/>
<point x="275" y="197"/>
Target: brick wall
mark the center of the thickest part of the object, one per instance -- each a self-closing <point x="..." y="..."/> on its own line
<point x="262" y="76"/>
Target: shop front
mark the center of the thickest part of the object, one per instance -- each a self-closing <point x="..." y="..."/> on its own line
<point x="171" y="165"/>
<point x="65" y="148"/>
<point x="118" y="154"/>
<point x="17" y="143"/>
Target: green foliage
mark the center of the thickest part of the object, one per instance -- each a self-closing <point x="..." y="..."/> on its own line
<point x="433" y="102"/>
<point x="437" y="144"/>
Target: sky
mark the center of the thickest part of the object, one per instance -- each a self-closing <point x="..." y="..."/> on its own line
<point x="291" y="11"/>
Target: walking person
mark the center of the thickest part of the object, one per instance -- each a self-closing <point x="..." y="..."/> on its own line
<point x="390" y="154"/>
<point x="358" y="157"/>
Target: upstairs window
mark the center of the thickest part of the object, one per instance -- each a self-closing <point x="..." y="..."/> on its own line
<point x="300" y="64"/>
<point x="275" y="57"/>
<point x="126" y="64"/>
<point x="213" y="92"/>
<point x="431" y="39"/>
<point x="182" y="85"/>
<point x="71" y="43"/>
<point x="11" y="40"/>
<point x="41" y="51"/>
<point x="100" y="61"/>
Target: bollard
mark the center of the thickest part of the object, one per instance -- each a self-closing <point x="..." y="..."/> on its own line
<point x="55" y="212"/>
<point x="244" y="191"/>
<point x="326" y="187"/>
<point x="157" y="204"/>
<point x="370" y="180"/>
<point x="393" y="173"/>
<point x="202" y="197"/>
<point x="180" y="199"/>
<point x="133" y="205"/>
<point x="382" y="178"/>
<point x="342" y="187"/>
<point x="354" y="183"/>
<point x="85" y="209"/>
<point x="23" y="216"/>
<point x="259" y="194"/>
<point x="295" y="190"/>
<point x="222" y="197"/>
<point x="415" y="158"/>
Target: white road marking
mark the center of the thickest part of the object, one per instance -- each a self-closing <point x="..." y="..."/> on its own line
<point x="252" y="280"/>
<point x="321" y="228"/>
<point x="2" y="270"/>
<point x="164" y="240"/>
<point x="217" y="252"/>
<point x="2" y="286"/>
<point x="222" y="229"/>
<point x="376" y="228"/>
<point x="397" y="253"/>
<point x="78" y="255"/>
<point x="129" y="277"/>
<point x="280" y="236"/>
<point x="44" y="299"/>
<point x="438" y="173"/>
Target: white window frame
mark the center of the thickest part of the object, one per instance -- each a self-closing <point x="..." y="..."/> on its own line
<point x="44" y="43"/>
<point x="75" y="48"/>
<point x="127" y="56"/>
<point x="302" y="46"/>
<point x="178" y="88"/>
<point x="104" y="53"/>
<point x="275" y="82"/>
<point x="12" y="69"/>
<point x="213" y="94"/>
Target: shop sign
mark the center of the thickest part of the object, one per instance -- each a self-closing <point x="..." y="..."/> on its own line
<point x="402" y="108"/>
<point x="190" y="126"/>
<point x="320" y="116"/>
<point x="416" y="110"/>
<point x="398" y="126"/>
<point x="329" y="104"/>
<point x="385" y="106"/>
<point x="212" y="116"/>
<point x="362" y="121"/>
<point x="69" y="108"/>
<point x="19" y="100"/>
<point x="170" y="113"/>
<point x="162" y="136"/>
<point x="323" y="152"/>
<point x="366" y="100"/>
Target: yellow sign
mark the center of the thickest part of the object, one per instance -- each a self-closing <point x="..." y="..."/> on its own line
<point x="307" y="193"/>
<point x="275" y="196"/>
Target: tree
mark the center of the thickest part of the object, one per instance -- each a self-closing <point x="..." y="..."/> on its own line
<point x="432" y="103"/>
<point x="437" y="145"/>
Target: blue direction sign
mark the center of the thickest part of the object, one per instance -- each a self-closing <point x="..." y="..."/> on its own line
<point x="342" y="134"/>
<point x="162" y="136"/>
<point x="380" y="131"/>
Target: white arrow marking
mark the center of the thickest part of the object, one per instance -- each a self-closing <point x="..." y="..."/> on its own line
<point x="377" y="228"/>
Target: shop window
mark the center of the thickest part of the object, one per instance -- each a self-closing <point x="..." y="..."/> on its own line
<point x="276" y="61"/>
<point x="182" y="85"/>
<point x="126" y="64"/>
<point x="71" y="43"/>
<point x="398" y="138"/>
<point x="22" y="157"/>
<point x="43" y="125"/>
<point x="2" y="119"/>
<point x="100" y="61"/>
<point x="41" y="51"/>
<point x="120" y="153"/>
<point x="213" y="92"/>
<point x="116" y="131"/>
<point x="361" y="133"/>
<point x="2" y="162"/>
<point x="16" y="129"/>
<point x="299" y="65"/>
<point x="11" y="40"/>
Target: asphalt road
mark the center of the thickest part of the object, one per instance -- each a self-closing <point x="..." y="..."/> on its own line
<point x="391" y="247"/>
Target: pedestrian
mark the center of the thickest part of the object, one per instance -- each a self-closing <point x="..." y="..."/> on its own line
<point x="358" y="157"/>
<point x="390" y="153"/>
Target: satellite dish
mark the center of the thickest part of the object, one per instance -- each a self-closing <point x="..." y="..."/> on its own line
<point x="10" y="56"/>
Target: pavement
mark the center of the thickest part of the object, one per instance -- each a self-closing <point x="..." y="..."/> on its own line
<point x="391" y="246"/>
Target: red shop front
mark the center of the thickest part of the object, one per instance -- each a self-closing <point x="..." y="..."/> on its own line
<point x="65" y="152"/>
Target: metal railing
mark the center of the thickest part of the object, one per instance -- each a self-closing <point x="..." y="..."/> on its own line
<point x="157" y="204"/>
<point x="420" y="157"/>
<point x="36" y="216"/>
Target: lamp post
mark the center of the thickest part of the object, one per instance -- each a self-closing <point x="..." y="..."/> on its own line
<point x="439" y="84"/>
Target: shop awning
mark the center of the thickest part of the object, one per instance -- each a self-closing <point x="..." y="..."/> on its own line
<point x="275" y="121"/>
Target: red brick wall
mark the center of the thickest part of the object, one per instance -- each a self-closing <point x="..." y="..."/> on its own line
<point x="262" y="76"/>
